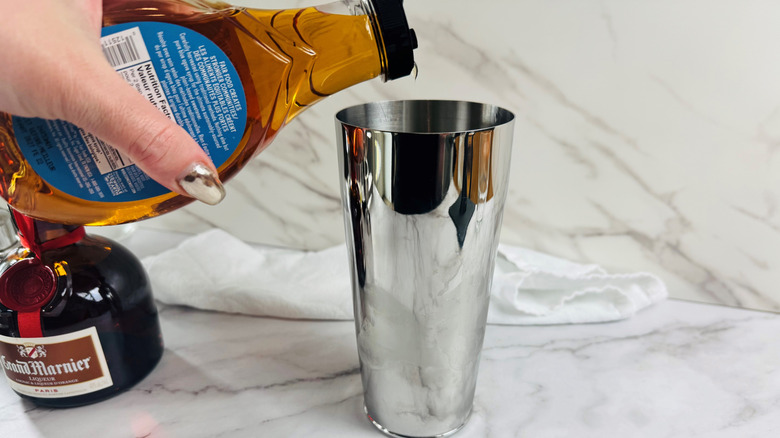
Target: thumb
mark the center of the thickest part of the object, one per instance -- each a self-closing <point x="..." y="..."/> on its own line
<point x="115" y="112"/>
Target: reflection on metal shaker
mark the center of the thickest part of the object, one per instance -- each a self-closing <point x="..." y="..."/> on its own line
<point x="423" y="188"/>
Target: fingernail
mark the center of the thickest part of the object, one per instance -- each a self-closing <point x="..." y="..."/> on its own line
<point x="203" y="184"/>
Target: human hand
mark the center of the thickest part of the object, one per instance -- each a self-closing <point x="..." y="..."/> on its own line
<point x="52" y="66"/>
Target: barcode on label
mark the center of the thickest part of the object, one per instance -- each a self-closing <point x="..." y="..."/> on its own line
<point x="125" y="48"/>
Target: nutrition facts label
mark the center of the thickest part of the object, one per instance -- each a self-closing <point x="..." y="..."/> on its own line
<point x="179" y="71"/>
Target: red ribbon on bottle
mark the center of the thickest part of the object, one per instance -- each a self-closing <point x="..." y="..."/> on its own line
<point x="28" y="238"/>
<point x="29" y="324"/>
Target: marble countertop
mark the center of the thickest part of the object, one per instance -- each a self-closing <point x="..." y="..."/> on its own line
<point x="677" y="369"/>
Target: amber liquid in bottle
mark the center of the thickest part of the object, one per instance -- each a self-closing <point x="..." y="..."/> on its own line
<point x="287" y="60"/>
<point x="105" y="287"/>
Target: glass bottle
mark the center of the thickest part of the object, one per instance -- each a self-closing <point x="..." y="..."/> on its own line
<point x="231" y="76"/>
<point x="78" y="323"/>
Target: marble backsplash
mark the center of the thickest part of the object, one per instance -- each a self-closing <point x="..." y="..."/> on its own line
<point x="647" y="138"/>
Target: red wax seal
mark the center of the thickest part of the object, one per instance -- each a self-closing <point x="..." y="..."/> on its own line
<point x="27" y="285"/>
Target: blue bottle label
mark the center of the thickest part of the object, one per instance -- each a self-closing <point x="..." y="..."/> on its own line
<point x="184" y="74"/>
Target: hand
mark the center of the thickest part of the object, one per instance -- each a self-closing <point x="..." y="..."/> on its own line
<point x="52" y="66"/>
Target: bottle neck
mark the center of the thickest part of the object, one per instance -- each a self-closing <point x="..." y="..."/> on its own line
<point x="366" y="7"/>
<point x="395" y="40"/>
<point x="335" y="45"/>
<point x="363" y="8"/>
<point x="348" y="42"/>
<point x="40" y="236"/>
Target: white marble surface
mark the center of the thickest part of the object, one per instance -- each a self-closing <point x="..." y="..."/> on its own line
<point x="676" y="369"/>
<point x="647" y="137"/>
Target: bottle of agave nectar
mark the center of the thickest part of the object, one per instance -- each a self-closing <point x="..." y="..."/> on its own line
<point x="231" y="76"/>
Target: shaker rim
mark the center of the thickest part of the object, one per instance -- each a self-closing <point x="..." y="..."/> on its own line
<point x="433" y="117"/>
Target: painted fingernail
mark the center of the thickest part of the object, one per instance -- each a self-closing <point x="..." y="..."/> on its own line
<point x="203" y="184"/>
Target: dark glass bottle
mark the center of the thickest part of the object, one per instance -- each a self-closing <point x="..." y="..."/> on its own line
<point x="78" y="323"/>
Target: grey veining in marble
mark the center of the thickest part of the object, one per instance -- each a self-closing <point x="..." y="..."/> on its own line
<point x="646" y="140"/>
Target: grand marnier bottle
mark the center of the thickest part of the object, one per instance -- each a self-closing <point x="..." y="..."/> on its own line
<point x="231" y="76"/>
<point x="78" y="323"/>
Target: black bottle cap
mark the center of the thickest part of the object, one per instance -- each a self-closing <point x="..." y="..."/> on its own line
<point x="399" y="41"/>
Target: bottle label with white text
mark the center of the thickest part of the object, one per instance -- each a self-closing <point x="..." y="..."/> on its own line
<point x="182" y="73"/>
<point x="55" y="366"/>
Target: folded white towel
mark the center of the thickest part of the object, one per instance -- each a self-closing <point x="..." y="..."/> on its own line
<point x="216" y="271"/>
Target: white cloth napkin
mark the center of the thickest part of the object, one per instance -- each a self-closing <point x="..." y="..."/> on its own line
<point x="216" y="271"/>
